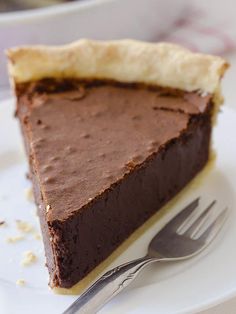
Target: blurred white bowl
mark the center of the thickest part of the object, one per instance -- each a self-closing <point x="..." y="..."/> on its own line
<point x="97" y="19"/>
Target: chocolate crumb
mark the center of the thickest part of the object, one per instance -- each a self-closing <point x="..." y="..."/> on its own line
<point x="49" y="180"/>
<point x="85" y="135"/>
<point x="45" y="127"/>
<point x="136" y="117"/>
<point x="101" y="155"/>
<point x="130" y="164"/>
<point x="70" y="149"/>
<point x="54" y="158"/>
<point x="137" y="158"/>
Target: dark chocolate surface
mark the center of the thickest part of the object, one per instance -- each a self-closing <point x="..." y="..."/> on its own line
<point x="104" y="159"/>
<point x="86" y="140"/>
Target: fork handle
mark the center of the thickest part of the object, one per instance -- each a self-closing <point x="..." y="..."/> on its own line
<point x="107" y="286"/>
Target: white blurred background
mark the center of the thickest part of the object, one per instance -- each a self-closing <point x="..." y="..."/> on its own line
<point x="202" y="25"/>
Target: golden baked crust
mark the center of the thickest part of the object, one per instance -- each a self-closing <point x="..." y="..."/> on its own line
<point x="128" y="61"/>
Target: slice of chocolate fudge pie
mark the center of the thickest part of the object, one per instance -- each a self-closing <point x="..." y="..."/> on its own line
<point x="113" y="131"/>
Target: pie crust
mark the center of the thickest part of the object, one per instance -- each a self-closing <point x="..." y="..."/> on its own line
<point x="162" y="64"/>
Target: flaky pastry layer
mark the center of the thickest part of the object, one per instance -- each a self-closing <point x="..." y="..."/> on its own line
<point x="128" y="61"/>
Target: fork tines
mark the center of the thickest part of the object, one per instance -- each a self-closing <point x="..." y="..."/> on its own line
<point x="190" y="224"/>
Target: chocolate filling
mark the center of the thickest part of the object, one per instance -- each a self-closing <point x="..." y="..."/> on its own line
<point x="104" y="157"/>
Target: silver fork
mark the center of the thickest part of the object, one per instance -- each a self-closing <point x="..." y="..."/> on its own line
<point x="169" y="244"/>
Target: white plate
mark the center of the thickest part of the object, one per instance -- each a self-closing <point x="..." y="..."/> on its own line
<point x="184" y="287"/>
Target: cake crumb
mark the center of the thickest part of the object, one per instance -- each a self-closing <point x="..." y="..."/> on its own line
<point x="20" y="282"/>
<point x="29" y="194"/>
<point x="37" y="236"/>
<point x="14" y="239"/>
<point x="24" y="226"/>
<point x="48" y="208"/>
<point x="29" y="258"/>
